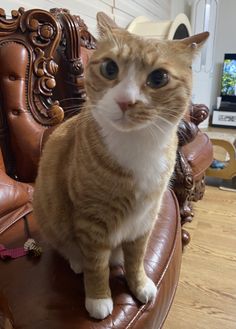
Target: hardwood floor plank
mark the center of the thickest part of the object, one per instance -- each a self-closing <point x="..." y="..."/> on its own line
<point x="206" y="295"/>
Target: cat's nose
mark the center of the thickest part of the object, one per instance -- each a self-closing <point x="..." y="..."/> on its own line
<point x="124" y="106"/>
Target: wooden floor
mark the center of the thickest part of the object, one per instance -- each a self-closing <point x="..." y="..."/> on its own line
<point x="206" y="296"/>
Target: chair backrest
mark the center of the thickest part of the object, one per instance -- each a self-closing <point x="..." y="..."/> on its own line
<point x="42" y="56"/>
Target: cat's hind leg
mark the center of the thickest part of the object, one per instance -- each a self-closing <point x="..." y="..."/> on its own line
<point x="71" y="252"/>
<point x="76" y="265"/>
<point x="64" y="245"/>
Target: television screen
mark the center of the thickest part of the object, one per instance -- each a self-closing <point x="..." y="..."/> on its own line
<point x="228" y="82"/>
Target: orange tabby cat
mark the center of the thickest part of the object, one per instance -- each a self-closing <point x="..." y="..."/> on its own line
<point x="103" y="172"/>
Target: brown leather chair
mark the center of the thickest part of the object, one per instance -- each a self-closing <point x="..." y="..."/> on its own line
<point x="30" y="44"/>
<point x="42" y="57"/>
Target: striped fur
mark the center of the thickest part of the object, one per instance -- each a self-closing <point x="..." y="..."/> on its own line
<point x="103" y="173"/>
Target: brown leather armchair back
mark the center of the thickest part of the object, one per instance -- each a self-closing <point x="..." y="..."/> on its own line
<point x="32" y="44"/>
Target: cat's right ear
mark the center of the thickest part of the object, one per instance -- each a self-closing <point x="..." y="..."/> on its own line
<point x="196" y="41"/>
<point x="105" y="24"/>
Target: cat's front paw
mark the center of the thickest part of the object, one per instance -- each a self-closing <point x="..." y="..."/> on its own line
<point x="147" y="292"/>
<point x="99" y="308"/>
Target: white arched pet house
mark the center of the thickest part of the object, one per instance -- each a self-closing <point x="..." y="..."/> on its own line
<point x="179" y="28"/>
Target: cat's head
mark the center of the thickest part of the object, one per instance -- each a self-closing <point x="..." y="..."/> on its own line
<point x="133" y="82"/>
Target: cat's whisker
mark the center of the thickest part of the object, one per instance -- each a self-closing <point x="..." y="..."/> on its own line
<point x="165" y="120"/>
<point x="192" y="117"/>
<point x="68" y="109"/>
<point x="158" y="127"/>
<point x="52" y="120"/>
<point x="79" y="106"/>
<point x="70" y="106"/>
<point x="184" y="136"/>
<point x="151" y="131"/>
<point x="71" y="112"/>
<point x="72" y="83"/>
<point x="173" y="113"/>
<point x="71" y="99"/>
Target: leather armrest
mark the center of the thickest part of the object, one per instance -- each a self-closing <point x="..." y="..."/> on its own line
<point x="199" y="154"/>
<point x="15" y="200"/>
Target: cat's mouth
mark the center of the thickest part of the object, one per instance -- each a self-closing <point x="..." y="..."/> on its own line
<point x="121" y="123"/>
<point x="126" y="123"/>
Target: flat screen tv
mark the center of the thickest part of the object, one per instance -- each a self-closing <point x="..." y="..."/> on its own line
<point x="228" y="81"/>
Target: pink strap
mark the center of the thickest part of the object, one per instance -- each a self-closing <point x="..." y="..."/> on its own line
<point x="12" y="253"/>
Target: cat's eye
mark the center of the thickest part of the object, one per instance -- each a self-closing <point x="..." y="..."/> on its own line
<point x="109" y="69"/>
<point x="157" y="78"/>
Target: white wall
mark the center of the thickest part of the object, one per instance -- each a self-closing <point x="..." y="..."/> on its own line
<point x="225" y="41"/>
<point x="180" y="6"/>
<point x="122" y="10"/>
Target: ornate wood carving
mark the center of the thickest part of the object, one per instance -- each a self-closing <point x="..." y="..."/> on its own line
<point x="44" y="33"/>
<point x="198" y="113"/>
<point x="8" y="26"/>
<point x="75" y="36"/>
<point x="86" y="39"/>
<point x="45" y="69"/>
<point x="40" y="33"/>
<point x="185" y="237"/>
<point x="199" y="189"/>
<point x="183" y="185"/>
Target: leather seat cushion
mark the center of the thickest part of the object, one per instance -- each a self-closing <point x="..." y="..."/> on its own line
<point x="45" y="293"/>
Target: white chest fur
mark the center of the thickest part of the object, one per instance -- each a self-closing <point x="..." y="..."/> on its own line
<point x="144" y="156"/>
<point x="141" y="153"/>
<point x="136" y="224"/>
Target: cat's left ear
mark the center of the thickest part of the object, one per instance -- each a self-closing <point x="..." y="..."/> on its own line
<point x="196" y="41"/>
<point x="105" y="24"/>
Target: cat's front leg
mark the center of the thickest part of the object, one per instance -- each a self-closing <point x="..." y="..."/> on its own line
<point x="139" y="283"/>
<point x="96" y="279"/>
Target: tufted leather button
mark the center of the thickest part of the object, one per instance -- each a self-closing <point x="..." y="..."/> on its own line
<point x="12" y="77"/>
<point x="15" y="111"/>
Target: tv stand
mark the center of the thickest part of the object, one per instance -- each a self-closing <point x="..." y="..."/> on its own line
<point x="227" y="106"/>
<point x="224" y="117"/>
